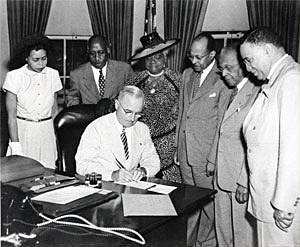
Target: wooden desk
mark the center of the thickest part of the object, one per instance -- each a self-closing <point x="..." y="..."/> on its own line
<point x="157" y="231"/>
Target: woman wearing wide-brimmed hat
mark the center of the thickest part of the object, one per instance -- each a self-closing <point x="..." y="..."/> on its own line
<point x="161" y="88"/>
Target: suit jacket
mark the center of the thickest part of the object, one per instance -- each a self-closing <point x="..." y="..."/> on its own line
<point x="198" y="116"/>
<point x="83" y="87"/>
<point x="100" y="144"/>
<point x="229" y="151"/>
<point x="271" y="130"/>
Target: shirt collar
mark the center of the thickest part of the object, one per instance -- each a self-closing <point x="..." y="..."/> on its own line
<point x="206" y="71"/>
<point x="275" y="65"/>
<point x="242" y="83"/>
<point x="30" y="72"/>
<point x="118" y="125"/>
<point x="96" y="70"/>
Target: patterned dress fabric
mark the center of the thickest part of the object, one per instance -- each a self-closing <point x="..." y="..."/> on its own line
<point x="160" y="114"/>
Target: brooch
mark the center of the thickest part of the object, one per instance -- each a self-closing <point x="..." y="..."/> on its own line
<point x="152" y="91"/>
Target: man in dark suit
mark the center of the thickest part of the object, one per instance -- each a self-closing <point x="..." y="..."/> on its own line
<point x="201" y="103"/>
<point x="227" y="160"/>
<point x="99" y="78"/>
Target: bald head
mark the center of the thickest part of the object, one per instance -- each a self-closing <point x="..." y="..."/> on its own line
<point x="98" y="39"/>
<point x="230" y="65"/>
<point x="98" y="51"/>
<point x="202" y="51"/>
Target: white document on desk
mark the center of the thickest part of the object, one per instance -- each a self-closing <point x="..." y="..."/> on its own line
<point x="147" y="205"/>
<point x="159" y="188"/>
<point x="66" y="194"/>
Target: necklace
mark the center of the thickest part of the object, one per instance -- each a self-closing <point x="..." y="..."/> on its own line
<point x="153" y="80"/>
<point x="156" y="75"/>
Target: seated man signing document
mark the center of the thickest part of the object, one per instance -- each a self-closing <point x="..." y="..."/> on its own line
<point x="117" y="145"/>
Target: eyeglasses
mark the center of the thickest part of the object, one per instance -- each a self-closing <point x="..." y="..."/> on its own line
<point x="199" y="58"/>
<point x="99" y="53"/>
<point x="129" y="113"/>
<point x="228" y="67"/>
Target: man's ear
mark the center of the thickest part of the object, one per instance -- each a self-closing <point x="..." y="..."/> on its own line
<point x="212" y="54"/>
<point x="108" y="50"/>
<point x="268" y="48"/>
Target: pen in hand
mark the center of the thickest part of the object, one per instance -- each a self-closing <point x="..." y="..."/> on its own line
<point x="119" y="164"/>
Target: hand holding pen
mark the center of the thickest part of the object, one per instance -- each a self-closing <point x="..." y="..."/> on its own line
<point x="137" y="174"/>
<point x="123" y="175"/>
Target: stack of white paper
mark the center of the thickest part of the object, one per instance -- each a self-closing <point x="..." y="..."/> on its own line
<point x="147" y="205"/>
<point x="66" y="194"/>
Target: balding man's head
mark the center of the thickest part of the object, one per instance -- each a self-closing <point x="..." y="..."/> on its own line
<point x="98" y="51"/>
<point x="202" y="51"/>
<point x="230" y="65"/>
<point x="129" y="105"/>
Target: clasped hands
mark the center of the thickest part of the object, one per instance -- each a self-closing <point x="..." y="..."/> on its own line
<point x="123" y="175"/>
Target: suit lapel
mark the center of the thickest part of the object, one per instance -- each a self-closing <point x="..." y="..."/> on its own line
<point x="241" y="99"/>
<point x="266" y="88"/>
<point x="88" y="82"/>
<point x="190" y="85"/>
<point x="108" y="80"/>
<point x="207" y="84"/>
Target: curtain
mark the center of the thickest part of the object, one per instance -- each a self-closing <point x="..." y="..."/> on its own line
<point x="181" y="18"/>
<point x="114" y="20"/>
<point x="26" y="17"/>
<point x="282" y="16"/>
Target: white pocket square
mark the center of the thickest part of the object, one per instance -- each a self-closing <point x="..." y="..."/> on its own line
<point x="212" y="95"/>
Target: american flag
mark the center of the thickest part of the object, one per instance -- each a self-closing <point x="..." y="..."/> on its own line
<point x="150" y="17"/>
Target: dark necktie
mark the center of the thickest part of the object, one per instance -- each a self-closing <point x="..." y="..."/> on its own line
<point x="101" y="82"/>
<point x="233" y="94"/>
<point x="125" y="144"/>
<point x="196" y="83"/>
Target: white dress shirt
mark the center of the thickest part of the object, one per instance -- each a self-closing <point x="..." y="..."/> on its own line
<point x="96" y="74"/>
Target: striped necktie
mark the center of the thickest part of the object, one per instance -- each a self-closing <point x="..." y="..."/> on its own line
<point x="101" y="82"/>
<point x="125" y="144"/>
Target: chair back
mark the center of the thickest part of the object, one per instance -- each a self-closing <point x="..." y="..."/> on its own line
<point x="69" y="125"/>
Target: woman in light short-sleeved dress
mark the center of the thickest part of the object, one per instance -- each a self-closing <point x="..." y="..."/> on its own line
<point x="31" y="93"/>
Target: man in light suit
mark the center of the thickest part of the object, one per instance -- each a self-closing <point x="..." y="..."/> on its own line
<point x="227" y="158"/>
<point x="271" y="131"/>
<point x="102" y="148"/>
<point x="201" y="104"/>
<point x="85" y="85"/>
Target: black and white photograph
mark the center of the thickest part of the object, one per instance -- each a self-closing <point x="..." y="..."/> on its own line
<point x="157" y="123"/>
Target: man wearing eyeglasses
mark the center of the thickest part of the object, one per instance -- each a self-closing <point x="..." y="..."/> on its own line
<point x="99" y="78"/>
<point x="227" y="160"/>
<point x="201" y="104"/>
<point x="117" y="145"/>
